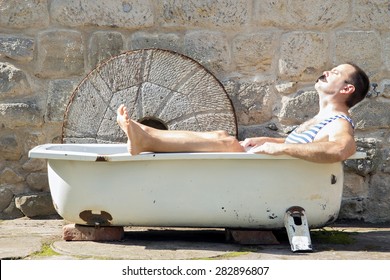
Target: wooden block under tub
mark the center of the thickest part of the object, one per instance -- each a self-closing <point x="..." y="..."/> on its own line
<point x="74" y="232"/>
<point x="251" y="237"/>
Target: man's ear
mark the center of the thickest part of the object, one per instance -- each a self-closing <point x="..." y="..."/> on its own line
<point x="348" y="89"/>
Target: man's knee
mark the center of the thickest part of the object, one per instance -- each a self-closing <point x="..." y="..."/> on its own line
<point x="221" y="133"/>
<point x="232" y="144"/>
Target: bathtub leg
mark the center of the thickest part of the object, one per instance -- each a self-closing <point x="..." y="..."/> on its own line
<point x="297" y="229"/>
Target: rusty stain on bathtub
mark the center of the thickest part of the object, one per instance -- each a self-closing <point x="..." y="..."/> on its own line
<point x="271" y="216"/>
<point x="102" y="219"/>
<point x="236" y="214"/>
<point x="250" y="219"/>
<point x="333" y="179"/>
<point x="315" y="196"/>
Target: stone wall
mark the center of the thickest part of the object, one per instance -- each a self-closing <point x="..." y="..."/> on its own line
<point x="266" y="53"/>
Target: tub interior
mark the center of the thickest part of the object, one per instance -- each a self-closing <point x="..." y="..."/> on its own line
<point x="118" y="152"/>
<point x="103" y="149"/>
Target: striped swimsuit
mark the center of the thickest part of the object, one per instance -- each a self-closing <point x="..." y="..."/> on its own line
<point x="309" y="135"/>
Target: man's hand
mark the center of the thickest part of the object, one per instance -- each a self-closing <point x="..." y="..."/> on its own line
<point x="268" y="148"/>
<point x="250" y="143"/>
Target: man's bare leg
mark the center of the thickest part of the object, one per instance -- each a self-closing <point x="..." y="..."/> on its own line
<point x="142" y="138"/>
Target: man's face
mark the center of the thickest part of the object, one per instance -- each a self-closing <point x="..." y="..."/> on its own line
<point x="331" y="82"/>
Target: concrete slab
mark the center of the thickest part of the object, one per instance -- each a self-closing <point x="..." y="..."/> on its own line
<point x="18" y="247"/>
<point x="22" y="238"/>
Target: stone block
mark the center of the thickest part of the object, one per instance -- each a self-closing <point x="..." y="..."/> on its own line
<point x="373" y="14"/>
<point x="60" y="54"/>
<point x="354" y="186"/>
<point x="13" y="82"/>
<point x="19" y="115"/>
<point x="368" y="165"/>
<point x="299" y="108"/>
<point x="254" y="53"/>
<point x="253" y="102"/>
<point x="378" y="206"/>
<point x="19" y="48"/>
<point x="371" y="114"/>
<point x="323" y="15"/>
<point x="38" y="181"/>
<point x="104" y="45"/>
<point x="9" y="176"/>
<point x="251" y="237"/>
<point x="24" y="14"/>
<point x="131" y="14"/>
<point x="6" y="197"/>
<point x="273" y="13"/>
<point x="74" y="232"/>
<point x="209" y="48"/>
<point x="286" y="88"/>
<point x="165" y="41"/>
<point x="385" y="163"/>
<point x="9" y="147"/>
<point x="303" y="55"/>
<point x="305" y="14"/>
<point x="59" y="93"/>
<point x="353" y="209"/>
<point x="366" y="49"/>
<point x="36" y="205"/>
<point x="34" y="164"/>
<point x="11" y="212"/>
<point x="203" y="13"/>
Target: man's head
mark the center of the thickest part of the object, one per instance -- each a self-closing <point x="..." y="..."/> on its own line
<point x="361" y="82"/>
<point x="347" y="79"/>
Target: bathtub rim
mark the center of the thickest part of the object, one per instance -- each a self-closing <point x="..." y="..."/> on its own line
<point x="59" y="152"/>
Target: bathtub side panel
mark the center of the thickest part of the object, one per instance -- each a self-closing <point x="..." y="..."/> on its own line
<point x="199" y="193"/>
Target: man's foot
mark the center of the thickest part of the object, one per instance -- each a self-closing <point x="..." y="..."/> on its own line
<point x="131" y="129"/>
<point x="122" y="118"/>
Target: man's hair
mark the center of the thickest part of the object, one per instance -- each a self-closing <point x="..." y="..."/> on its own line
<point x="361" y="82"/>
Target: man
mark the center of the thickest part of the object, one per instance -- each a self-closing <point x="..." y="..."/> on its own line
<point x="327" y="137"/>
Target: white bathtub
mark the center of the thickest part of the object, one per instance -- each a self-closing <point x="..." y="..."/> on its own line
<point x="102" y="184"/>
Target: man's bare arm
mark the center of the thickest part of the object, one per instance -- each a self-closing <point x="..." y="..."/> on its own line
<point x="339" y="145"/>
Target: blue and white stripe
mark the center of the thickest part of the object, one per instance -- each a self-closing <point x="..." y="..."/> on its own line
<point x="309" y="135"/>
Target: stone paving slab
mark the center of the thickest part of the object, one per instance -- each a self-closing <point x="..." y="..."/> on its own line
<point x="19" y="247"/>
<point x="141" y="250"/>
<point x="22" y="238"/>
